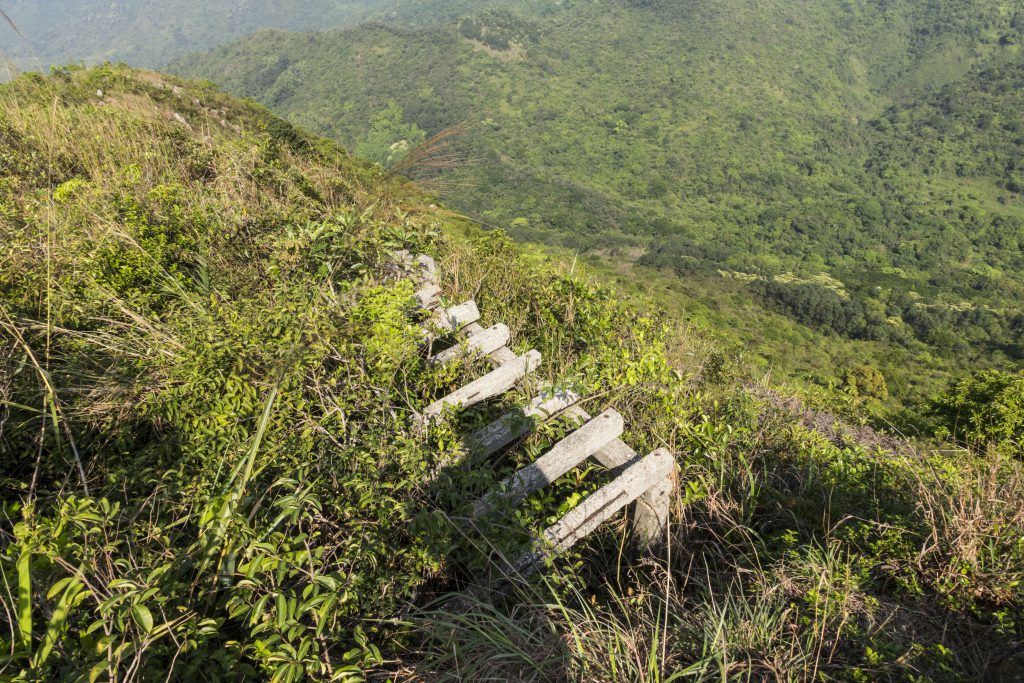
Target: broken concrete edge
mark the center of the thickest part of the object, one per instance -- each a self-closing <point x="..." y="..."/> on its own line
<point x="551" y="402"/>
<point x="454" y="319"/>
<point x="423" y="270"/>
<point x="476" y="342"/>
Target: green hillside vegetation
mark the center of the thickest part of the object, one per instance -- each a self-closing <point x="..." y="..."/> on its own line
<point x="876" y="143"/>
<point x="420" y="13"/>
<point x="211" y="468"/>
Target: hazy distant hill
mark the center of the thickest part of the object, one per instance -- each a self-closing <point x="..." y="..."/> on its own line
<point x="152" y="32"/>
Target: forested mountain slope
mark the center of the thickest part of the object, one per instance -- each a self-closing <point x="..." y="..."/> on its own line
<point x="766" y="143"/>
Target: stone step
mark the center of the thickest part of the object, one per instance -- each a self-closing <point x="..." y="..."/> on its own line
<point x="490" y="385"/>
<point x="457" y="317"/>
<point x="598" y="508"/>
<point x="484" y="342"/>
<point x="519" y="422"/>
<point x="564" y="456"/>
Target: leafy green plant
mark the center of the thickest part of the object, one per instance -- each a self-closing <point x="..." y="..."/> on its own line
<point x="984" y="410"/>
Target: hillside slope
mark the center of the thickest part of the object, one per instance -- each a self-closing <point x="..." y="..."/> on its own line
<point x="705" y="139"/>
<point x="197" y="306"/>
<point x="212" y="466"/>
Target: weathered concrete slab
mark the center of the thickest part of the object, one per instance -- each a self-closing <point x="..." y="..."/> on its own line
<point x="428" y="296"/>
<point x="457" y="317"/>
<point x="490" y="385"/>
<point x="502" y="356"/>
<point x="597" y="509"/>
<point x="427" y="266"/>
<point x="614" y="455"/>
<point x="564" y="456"/>
<point x="484" y="342"/>
<point x="651" y="514"/>
<point x="519" y="422"/>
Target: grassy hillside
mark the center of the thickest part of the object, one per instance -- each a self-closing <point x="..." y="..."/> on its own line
<point x="766" y="143"/>
<point x="211" y="468"/>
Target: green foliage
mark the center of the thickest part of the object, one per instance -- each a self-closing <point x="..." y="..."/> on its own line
<point x="498" y="30"/>
<point x="232" y="360"/>
<point x="878" y="143"/>
<point x="790" y="555"/>
<point x="985" y="410"/>
<point x="390" y="138"/>
<point x="209" y="320"/>
<point x="866" y="382"/>
<point x="221" y="343"/>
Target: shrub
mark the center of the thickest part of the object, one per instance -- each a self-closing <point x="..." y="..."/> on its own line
<point x="985" y="410"/>
<point x="866" y="382"/>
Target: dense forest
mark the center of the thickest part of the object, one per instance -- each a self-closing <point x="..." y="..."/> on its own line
<point x="874" y="146"/>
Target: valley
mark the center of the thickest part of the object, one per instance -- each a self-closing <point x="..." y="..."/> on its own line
<point x="782" y="147"/>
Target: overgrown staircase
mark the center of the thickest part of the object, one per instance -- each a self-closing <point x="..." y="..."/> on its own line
<point x="644" y="481"/>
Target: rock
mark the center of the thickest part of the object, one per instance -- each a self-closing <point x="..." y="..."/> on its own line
<point x="181" y="119"/>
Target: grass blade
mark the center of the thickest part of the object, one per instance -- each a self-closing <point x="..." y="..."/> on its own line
<point x="25" y="599"/>
<point x="56" y="625"/>
<point x="237" y="483"/>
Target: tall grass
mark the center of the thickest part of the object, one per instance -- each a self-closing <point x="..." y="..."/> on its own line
<point x="783" y="568"/>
